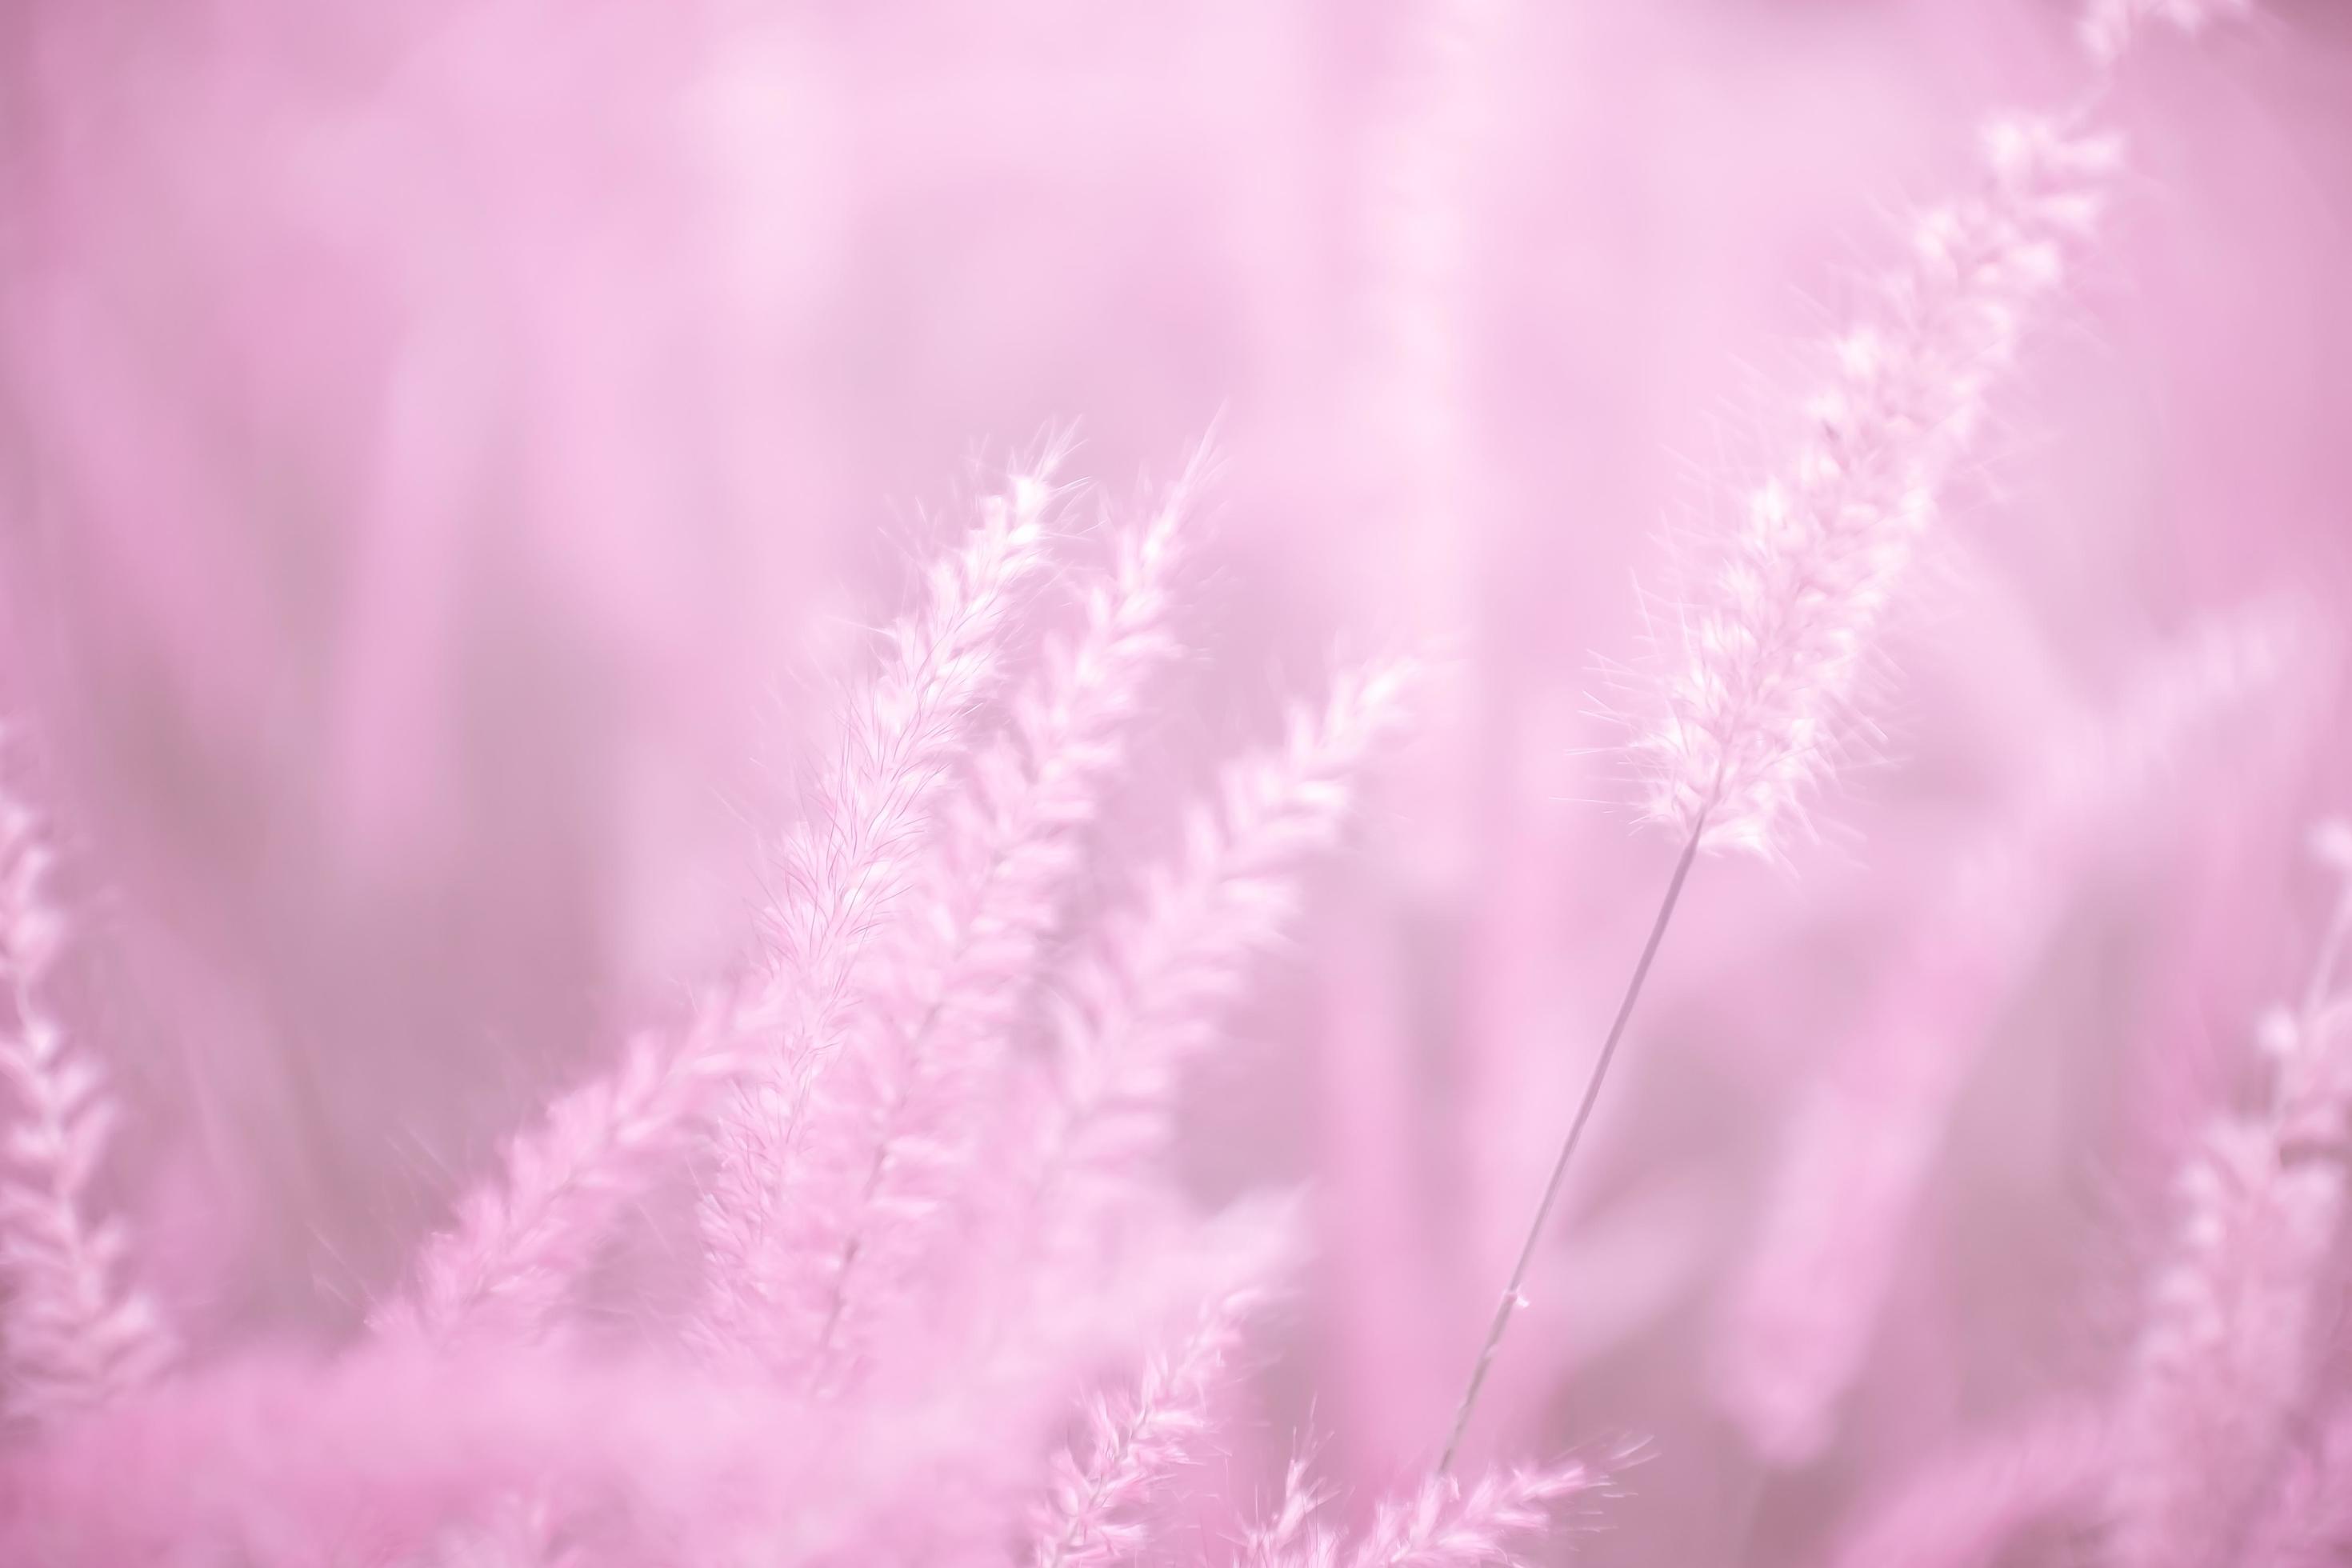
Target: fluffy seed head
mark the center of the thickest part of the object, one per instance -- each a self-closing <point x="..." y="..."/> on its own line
<point x="1782" y="617"/>
<point x="72" y="1334"/>
<point x="2221" y="1374"/>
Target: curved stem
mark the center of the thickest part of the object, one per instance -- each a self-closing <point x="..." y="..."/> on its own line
<point x="1510" y="1300"/>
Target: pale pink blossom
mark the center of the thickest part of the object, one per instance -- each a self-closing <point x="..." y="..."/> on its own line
<point x="2222" y="1373"/>
<point x="1784" y="616"/>
<point x="842" y="873"/>
<point x="1137" y="1438"/>
<point x="522" y="1242"/>
<point x="522" y="1239"/>
<point x="1153" y="981"/>
<point x="1291" y="1534"/>
<point x="73" y="1331"/>
<point x="1771" y="644"/>
<point x="902" y="1112"/>
<point x="1495" y="1521"/>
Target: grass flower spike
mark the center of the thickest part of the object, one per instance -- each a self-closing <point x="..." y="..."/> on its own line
<point x="522" y="1242"/>
<point x="844" y="869"/>
<point x="907" y="1142"/>
<point x="1780" y="628"/>
<point x="1150" y="990"/>
<point x="72" y="1334"/>
<point x="1774" y="644"/>
<point x="1447" y="1525"/>
<point x="2221" y="1375"/>
<point x="1138" y="1438"/>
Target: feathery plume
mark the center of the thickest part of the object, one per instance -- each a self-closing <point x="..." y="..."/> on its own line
<point x="1865" y="1133"/>
<point x="520" y="1242"/>
<point x="1775" y="640"/>
<point x="910" y="1130"/>
<point x="1149" y="990"/>
<point x="1291" y="1537"/>
<point x="2110" y="27"/>
<point x="846" y="865"/>
<point x="1773" y="647"/>
<point x="1137" y="1439"/>
<point x="1442" y="1525"/>
<point x="2221" y="1370"/>
<point x="74" y="1334"/>
<point x="1968" y="1505"/>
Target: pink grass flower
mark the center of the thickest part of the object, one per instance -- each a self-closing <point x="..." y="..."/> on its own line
<point x="521" y="1240"/>
<point x="1150" y="989"/>
<point x="1773" y="643"/>
<point x="844" y="868"/>
<point x="1137" y="1439"/>
<point x="521" y="1243"/>
<point x="1291" y="1536"/>
<point x="72" y="1332"/>
<point x="1489" y="1524"/>
<point x="906" y="1121"/>
<point x="2221" y="1372"/>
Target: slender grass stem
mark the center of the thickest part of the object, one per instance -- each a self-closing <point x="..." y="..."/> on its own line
<point x="1510" y="1299"/>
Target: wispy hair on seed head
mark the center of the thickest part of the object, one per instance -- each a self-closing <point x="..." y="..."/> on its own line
<point x="1775" y="623"/>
